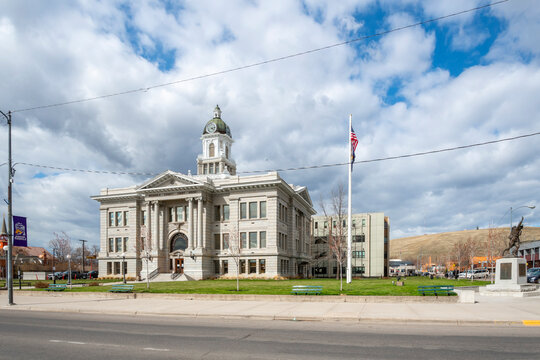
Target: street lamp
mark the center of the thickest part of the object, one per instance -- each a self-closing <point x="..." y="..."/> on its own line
<point x="11" y="172"/>
<point x="53" y="268"/>
<point x="69" y="267"/>
<point x="524" y="206"/>
<point x="124" y="266"/>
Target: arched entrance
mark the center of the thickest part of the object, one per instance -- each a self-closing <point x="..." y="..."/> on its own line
<point x="177" y="247"/>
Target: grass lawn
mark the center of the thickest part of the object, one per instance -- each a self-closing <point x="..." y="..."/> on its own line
<point x="364" y="287"/>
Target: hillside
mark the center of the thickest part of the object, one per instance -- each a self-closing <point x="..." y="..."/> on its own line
<point x="441" y="245"/>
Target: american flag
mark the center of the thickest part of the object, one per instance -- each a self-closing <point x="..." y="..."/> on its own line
<point x="354" y="143"/>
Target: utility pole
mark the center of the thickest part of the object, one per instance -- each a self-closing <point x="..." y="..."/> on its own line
<point x="83" y="241"/>
<point x="10" y="215"/>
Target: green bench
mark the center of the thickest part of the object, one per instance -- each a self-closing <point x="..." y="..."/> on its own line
<point x="56" y="287"/>
<point x="121" y="288"/>
<point x="306" y="290"/>
<point x="436" y="289"/>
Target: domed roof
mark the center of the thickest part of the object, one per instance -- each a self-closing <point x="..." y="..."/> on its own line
<point x="220" y="126"/>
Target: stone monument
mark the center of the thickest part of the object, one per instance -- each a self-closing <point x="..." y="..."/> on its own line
<point x="511" y="271"/>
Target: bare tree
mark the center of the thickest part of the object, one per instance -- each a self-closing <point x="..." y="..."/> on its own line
<point x="146" y="248"/>
<point x="337" y="233"/>
<point x="234" y="243"/>
<point x="61" y="246"/>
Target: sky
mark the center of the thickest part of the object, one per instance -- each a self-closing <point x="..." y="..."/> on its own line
<point x="464" y="79"/>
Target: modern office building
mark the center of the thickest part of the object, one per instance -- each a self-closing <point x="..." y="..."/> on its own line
<point x="370" y="245"/>
<point x="206" y="225"/>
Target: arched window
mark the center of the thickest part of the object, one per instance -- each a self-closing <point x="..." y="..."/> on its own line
<point x="226" y="152"/>
<point x="179" y="242"/>
<point x="211" y="150"/>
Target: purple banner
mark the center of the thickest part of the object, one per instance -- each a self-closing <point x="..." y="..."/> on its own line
<point x="19" y="234"/>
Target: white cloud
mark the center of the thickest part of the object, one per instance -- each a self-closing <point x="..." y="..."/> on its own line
<point x="284" y="114"/>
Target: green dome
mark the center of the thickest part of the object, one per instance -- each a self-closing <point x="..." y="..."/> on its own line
<point x="220" y="126"/>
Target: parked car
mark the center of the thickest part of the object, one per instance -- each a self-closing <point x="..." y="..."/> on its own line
<point x="534" y="276"/>
<point x="55" y="275"/>
<point x="480" y="273"/>
<point x="464" y="275"/>
<point x="530" y="270"/>
<point x="93" y="274"/>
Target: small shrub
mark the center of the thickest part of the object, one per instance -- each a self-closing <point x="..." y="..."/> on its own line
<point x="41" y="285"/>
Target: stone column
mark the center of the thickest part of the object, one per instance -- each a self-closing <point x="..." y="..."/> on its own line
<point x="190" y="223"/>
<point x="199" y="222"/>
<point x="155" y="233"/>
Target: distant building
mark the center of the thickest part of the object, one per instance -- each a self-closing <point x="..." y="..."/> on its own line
<point x="399" y="267"/>
<point x="530" y="251"/>
<point x="370" y="246"/>
<point x="177" y="225"/>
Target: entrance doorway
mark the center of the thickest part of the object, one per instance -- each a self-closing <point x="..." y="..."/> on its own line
<point x="179" y="266"/>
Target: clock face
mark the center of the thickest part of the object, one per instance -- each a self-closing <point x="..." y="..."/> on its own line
<point x="211" y="127"/>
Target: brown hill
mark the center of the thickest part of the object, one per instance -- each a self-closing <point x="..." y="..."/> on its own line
<point x="441" y="246"/>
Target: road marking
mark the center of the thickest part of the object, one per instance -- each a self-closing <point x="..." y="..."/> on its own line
<point x="154" y="349"/>
<point x="531" y="322"/>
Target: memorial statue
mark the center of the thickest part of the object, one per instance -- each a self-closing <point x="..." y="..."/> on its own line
<point x="513" y="243"/>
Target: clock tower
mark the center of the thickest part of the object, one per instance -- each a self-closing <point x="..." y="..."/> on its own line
<point x="216" y="148"/>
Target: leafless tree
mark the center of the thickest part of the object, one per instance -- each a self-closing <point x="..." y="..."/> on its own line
<point x="337" y="232"/>
<point x="146" y="247"/>
<point x="233" y="241"/>
<point x="61" y="246"/>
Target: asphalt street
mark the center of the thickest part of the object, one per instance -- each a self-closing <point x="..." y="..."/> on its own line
<point x="42" y="335"/>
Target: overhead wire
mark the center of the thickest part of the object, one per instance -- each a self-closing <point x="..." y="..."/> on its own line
<point x="300" y="167"/>
<point x="243" y="67"/>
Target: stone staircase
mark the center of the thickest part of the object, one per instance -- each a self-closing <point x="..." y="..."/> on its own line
<point x="163" y="277"/>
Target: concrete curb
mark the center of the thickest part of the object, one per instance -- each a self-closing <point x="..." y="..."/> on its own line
<point x="243" y="297"/>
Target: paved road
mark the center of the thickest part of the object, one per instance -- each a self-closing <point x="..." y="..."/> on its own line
<point x="39" y="335"/>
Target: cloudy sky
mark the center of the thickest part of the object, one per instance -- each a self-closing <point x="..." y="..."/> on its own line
<point x="466" y="79"/>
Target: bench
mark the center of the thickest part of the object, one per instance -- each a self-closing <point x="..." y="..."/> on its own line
<point x="436" y="289"/>
<point x="306" y="290"/>
<point x="56" y="287"/>
<point x="121" y="288"/>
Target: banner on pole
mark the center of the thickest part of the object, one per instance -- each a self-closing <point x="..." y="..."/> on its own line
<point x="19" y="236"/>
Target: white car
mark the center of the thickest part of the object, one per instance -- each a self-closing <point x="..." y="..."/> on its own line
<point x="480" y="274"/>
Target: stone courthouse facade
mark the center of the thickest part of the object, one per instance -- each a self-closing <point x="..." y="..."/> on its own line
<point x="200" y="226"/>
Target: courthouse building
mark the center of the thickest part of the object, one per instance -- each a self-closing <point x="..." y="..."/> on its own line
<point x="185" y="225"/>
<point x="370" y="246"/>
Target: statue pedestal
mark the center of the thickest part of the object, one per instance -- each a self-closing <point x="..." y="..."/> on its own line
<point x="510" y="280"/>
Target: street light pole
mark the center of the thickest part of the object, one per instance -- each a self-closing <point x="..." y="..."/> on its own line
<point x="9" y="277"/>
<point x="524" y="206"/>
<point x="83" y="241"/>
<point x="69" y="269"/>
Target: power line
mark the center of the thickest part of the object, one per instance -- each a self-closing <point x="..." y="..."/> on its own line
<point x="243" y="67"/>
<point x="301" y="167"/>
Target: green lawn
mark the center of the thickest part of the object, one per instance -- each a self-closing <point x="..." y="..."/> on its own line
<point x="364" y="287"/>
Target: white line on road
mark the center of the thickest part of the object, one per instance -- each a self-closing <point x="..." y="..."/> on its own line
<point x="154" y="349"/>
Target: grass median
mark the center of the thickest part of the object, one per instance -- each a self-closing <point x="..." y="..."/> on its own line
<point x="359" y="287"/>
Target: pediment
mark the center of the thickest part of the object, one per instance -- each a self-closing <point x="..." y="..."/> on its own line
<point x="169" y="179"/>
<point x="303" y="192"/>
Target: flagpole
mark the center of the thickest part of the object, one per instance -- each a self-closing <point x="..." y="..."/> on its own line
<point x="349" y="227"/>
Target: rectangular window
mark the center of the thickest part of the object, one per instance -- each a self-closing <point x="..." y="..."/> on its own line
<point x="326" y="224"/>
<point x="216" y="267"/>
<point x="111" y="219"/>
<point x="252" y="240"/>
<point x="217" y="214"/>
<point x="225" y="241"/>
<point x="243" y="211"/>
<point x="171" y="214"/>
<point x="125" y="267"/>
<point x="179" y="213"/>
<point x="111" y="245"/>
<point x="262" y="239"/>
<point x="143" y="217"/>
<point x="316" y="225"/>
<point x="243" y="240"/>
<point x="125" y="245"/>
<point x="359" y="238"/>
<point x="262" y="266"/>
<point x="262" y="209"/>
<point x="225" y="212"/>
<point x="225" y="264"/>
<point x="217" y="242"/>
<point x="205" y="171"/>
<point x="252" y="266"/>
<point x="358" y="270"/>
<point x="252" y="210"/>
<point x="359" y="254"/>
<point x="126" y="218"/>
<point x="118" y="221"/>
<point x="242" y="265"/>
<point x="116" y="268"/>
<point x="109" y="268"/>
<point x="118" y="246"/>
<point x="363" y="222"/>
<point x="143" y="240"/>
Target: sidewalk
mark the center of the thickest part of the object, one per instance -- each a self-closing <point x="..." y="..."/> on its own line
<point x="487" y="310"/>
